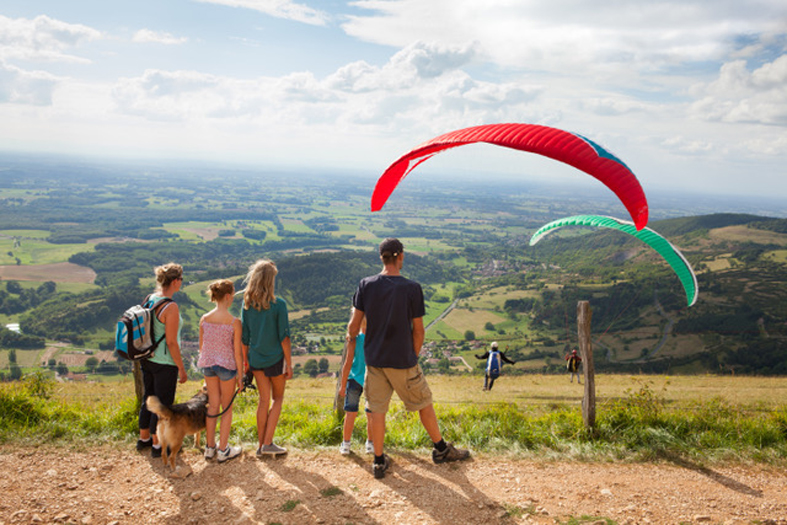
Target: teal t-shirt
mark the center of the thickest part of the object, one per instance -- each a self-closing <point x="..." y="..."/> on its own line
<point x="162" y="355"/>
<point x="263" y="331"/>
<point x="358" y="370"/>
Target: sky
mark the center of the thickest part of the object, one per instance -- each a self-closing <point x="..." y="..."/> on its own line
<point x="690" y="94"/>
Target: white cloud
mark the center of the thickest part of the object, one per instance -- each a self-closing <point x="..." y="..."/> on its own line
<point x="572" y="36"/>
<point x="741" y="95"/>
<point x="420" y="87"/>
<point x="25" y="87"/>
<point x="279" y="8"/>
<point x="614" y="106"/>
<point x="680" y="144"/>
<point x="42" y="39"/>
<point x="146" y="36"/>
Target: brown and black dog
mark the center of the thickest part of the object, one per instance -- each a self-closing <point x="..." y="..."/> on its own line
<point x="178" y="420"/>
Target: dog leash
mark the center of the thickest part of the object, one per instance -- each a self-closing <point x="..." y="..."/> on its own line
<point x="241" y="389"/>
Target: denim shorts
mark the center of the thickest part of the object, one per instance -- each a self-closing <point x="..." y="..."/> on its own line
<point x="352" y="396"/>
<point x="222" y="373"/>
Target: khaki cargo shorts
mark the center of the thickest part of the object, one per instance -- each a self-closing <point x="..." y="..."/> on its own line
<point x="408" y="383"/>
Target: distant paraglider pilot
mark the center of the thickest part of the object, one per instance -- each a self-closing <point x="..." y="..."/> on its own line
<point x="572" y="364"/>
<point x="494" y="362"/>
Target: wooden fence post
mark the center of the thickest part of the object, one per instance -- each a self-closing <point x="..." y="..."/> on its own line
<point x="584" y="315"/>
<point x="139" y="388"/>
<point x="338" y="401"/>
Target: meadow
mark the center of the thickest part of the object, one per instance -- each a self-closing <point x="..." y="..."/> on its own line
<point x="705" y="418"/>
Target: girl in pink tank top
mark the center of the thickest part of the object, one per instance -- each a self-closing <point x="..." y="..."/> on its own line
<point x="221" y="362"/>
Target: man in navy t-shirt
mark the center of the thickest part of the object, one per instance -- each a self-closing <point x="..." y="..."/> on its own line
<point x="394" y="310"/>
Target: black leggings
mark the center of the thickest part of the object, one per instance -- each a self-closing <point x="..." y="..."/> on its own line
<point x="160" y="381"/>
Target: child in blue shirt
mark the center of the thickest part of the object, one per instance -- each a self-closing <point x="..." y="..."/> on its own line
<point x="353" y="372"/>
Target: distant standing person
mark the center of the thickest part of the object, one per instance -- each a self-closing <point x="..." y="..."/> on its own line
<point x="162" y="371"/>
<point x="494" y="363"/>
<point x="221" y="362"/>
<point x="394" y="311"/>
<point x="266" y="345"/>
<point x="572" y="364"/>
<point x="351" y="387"/>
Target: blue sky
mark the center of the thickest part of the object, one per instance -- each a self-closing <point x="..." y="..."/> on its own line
<point x="691" y="94"/>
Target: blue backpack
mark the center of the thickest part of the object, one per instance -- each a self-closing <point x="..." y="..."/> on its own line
<point x="134" y="337"/>
<point x="493" y="365"/>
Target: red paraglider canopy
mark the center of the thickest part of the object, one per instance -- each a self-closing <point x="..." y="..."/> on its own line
<point x="570" y="148"/>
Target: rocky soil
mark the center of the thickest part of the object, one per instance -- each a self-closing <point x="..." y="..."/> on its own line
<point x="109" y="485"/>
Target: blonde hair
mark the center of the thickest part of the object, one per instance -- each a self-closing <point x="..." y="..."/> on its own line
<point x="166" y="274"/>
<point x="218" y="290"/>
<point x="260" y="282"/>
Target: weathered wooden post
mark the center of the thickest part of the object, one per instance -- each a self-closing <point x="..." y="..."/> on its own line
<point x="338" y="401"/>
<point x="584" y="315"/>
<point x="139" y="388"/>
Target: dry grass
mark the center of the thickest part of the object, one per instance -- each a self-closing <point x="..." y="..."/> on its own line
<point x="59" y="272"/>
<point x="744" y="234"/>
<point x="535" y="392"/>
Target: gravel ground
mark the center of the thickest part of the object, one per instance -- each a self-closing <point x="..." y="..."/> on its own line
<point x="109" y="485"/>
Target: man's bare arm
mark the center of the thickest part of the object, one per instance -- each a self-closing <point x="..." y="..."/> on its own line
<point x="418" y="334"/>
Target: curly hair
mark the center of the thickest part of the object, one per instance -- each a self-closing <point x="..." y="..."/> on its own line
<point x="218" y="290"/>
<point x="260" y="282"/>
<point x="167" y="273"/>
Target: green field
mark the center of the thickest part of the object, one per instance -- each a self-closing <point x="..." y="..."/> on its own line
<point x="36" y="250"/>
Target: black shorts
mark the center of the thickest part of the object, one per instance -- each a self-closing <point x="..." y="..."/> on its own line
<point x="273" y="370"/>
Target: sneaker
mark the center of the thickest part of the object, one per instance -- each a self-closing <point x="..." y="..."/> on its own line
<point x="210" y="452"/>
<point x="344" y="448"/>
<point x="143" y="444"/>
<point x="155" y="452"/>
<point x="380" y="468"/>
<point x="259" y="452"/>
<point x="229" y="453"/>
<point x="369" y="447"/>
<point x="451" y="453"/>
<point x="272" y="450"/>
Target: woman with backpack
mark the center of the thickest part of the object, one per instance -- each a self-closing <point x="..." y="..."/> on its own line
<point x="162" y="371"/>
<point x="267" y="349"/>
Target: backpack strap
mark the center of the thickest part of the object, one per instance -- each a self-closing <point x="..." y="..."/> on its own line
<point x="158" y="306"/>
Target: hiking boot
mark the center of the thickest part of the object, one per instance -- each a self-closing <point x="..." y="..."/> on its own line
<point x="142" y="444"/>
<point x="228" y="453"/>
<point x="369" y="447"/>
<point x="451" y="453"/>
<point x="344" y="448"/>
<point x="380" y="468"/>
<point x="155" y="452"/>
<point x="210" y="452"/>
<point x="272" y="450"/>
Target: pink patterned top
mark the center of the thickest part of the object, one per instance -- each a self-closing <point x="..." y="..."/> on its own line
<point x="217" y="346"/>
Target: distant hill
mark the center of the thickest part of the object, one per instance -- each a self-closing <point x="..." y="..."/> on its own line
<point x="684" y="225"/>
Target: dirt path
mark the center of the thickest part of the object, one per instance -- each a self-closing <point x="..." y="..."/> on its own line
<point x="107" y="485"/>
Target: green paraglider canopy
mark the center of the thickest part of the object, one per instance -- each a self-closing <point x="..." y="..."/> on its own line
<point x="670" y="253"/>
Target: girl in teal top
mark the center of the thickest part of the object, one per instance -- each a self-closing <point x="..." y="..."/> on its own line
<point x="265" y="335"/>
<point x="163" y="355"/>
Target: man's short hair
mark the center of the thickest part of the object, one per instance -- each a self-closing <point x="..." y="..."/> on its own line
<point x="390" y="248"/>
